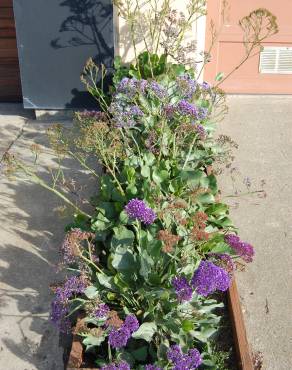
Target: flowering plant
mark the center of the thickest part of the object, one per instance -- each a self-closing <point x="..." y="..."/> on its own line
<point x="150" y="260"/>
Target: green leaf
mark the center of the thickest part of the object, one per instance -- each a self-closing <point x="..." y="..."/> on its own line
<point x="160" y="176"/>
<point x="140" y="354"/>
<point x="91" y="341"/>
<point x="187" y="325"/>
<point x="145" y="331"/>
<point x="91" y="292"/>
<point x="122" y="237"/>
<point x="145" y="171"/>
<point x="146" y="263"/>
<point x="123" y="259"/>
<point x="219" y="76"/>
<point x="106" y="281"/>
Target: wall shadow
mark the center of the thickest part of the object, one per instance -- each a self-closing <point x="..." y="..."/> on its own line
<point x="90" y="23"/>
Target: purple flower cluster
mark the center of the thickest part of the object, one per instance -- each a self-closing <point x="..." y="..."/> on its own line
<point x="186" y="85"/>
<point x="157" y="89"/>
<point x="59" y="308"/>
<point x="182" y="288"/>
<point x="137" y="209"/>
<point x="187" y="109"/>
<point x="119" y="337"/>
<point x="120" y="366"/>
<point x="184" y="361"/>
<point x="208" y="278"/>
<point x="125" y="115"/>
<point x="102" y="311"/>
<point x="243" y="249"/>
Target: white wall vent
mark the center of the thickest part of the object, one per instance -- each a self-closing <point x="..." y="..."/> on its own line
<point x="276" y="60"/>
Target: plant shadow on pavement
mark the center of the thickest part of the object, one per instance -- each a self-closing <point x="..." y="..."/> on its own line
<point x="32" y="233"/>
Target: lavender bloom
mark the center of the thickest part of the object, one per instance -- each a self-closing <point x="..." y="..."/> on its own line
<point x="152" y="367"/>
<point x="203" y="113"/>
<point x="243" y="249"/>
<point x="186" y="85"/>
<point x="128" y="86"/>
<point x="102" y="311"/>
<point x="137" y="209"/>
<point x="59" y="307"/>
<point x="191" y="360"/>
<point x="187" y="109"/>
<point x="208" y="278"/>
<point x="120" y="366"/>
<point x="131" y="323"/>
<point x="182" y="288"/>
<point x="205" y="86"/>
<point x="119" y="337"/>
<point x="124" y="115"/>
<point x="131" y="86"/>
<point x="157" y="89"/>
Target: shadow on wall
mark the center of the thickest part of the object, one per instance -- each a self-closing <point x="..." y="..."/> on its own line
<point x="31" y="234"/>
<point x="91" y="24"/>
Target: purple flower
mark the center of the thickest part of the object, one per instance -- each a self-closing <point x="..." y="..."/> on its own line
<point x="124" y="115"/>
<point x="184" y="361"/>
<point x="131" y="323"/>
<point x="119" y="337"/>
<point x="186" y="85"/>
<point x="243" y="249"/>
<point x="102" y="311"/>
<point x="203" y="113"/>
<point x="157" y="89"/>
<point x="187" y="109"/>
<point x="205" y="86"/>
<point x="201" y="131"/>
<point x="120" y="366"/>
<point x="152" y="367"/>
<point x="137" y="209"/>
<point x="60" y="305"/>
<point x="208" y="278"/>
<point x="182" y="288"/>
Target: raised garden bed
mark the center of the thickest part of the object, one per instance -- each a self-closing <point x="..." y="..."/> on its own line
<point x="243" y="354"/>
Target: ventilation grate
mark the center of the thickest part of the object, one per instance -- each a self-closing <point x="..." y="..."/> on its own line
<point x="276" y="60"/>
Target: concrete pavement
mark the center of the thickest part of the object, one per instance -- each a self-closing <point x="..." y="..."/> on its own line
<point x="262" y="126"/>
<point x="30" y="236"/>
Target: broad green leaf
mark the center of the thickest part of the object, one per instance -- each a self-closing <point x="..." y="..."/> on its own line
<point x="145" y="331"/>
<point x="106" y="281"/>
<point x="187" y="325"/>
<point x="122" y="237"/>
<point x="91" y="292"/>
<point x="123" y="259"/>
<point x="140" y="354"/>
<point x="160" y="176"/>
<point x="91" y="341"/>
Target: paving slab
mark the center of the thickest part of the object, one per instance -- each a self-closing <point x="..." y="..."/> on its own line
<point x="30" y="237"/>
<point x="262" y="126"/>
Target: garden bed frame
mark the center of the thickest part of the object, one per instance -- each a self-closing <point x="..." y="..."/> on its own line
<point x="244" y="359"/>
